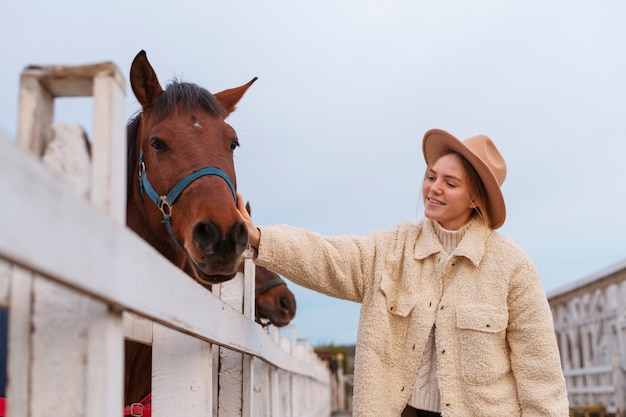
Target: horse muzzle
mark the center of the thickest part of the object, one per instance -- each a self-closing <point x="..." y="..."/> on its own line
<point x="215" y="256"/>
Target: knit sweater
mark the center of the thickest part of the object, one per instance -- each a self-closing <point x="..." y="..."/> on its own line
<point x="426" y="391"/>
<point x="495" y="342"/>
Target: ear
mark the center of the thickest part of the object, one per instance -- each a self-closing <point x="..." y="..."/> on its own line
<point x="229" y="98"/>
<point x="143" y="81"/>
<point x="248" y="208"/>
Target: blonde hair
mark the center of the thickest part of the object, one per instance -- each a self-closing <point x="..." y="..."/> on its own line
<point x="477" y="190"/>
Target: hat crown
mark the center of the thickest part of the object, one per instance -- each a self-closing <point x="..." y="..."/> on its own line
<point x="486" y="150"/>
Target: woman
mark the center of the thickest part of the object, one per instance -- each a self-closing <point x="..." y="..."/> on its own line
<point x="454" y="319"/>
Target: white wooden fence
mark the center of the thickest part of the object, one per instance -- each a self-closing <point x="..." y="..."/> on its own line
<point x="590" y="323"/>
<point x="77" y="283"/>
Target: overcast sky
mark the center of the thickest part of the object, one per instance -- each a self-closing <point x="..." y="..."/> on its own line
<point x="331" y="131"/>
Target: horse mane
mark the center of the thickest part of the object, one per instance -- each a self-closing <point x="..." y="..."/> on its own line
<point x="176" y="93"/>
<point x="131" y="138"/>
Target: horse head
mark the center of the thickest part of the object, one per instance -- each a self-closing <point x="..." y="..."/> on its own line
<point x="181" y="195"/>
<point x="273" y="301"/>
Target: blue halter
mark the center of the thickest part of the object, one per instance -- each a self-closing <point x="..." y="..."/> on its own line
<point x="166" y="202"/>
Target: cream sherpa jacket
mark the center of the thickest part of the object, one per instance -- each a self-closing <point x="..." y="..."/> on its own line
<point x="496" y="348"/>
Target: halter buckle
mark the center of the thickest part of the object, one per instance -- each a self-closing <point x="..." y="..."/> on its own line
<point x="165" y="206"/>
<point x="136" y="409"/>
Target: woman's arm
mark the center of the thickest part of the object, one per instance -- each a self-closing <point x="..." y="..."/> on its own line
<point x="335" y="266"/>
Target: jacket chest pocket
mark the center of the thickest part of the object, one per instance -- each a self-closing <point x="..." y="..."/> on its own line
<point x="482" y="338"/>
<point x="399" y="297"/>
<point x="385" y="323"/>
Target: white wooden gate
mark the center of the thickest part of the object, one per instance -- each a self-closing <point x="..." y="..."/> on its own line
<point x="77" y="282"/>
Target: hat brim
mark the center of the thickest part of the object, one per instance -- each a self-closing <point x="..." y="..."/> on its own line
<point x="436" y="141"/>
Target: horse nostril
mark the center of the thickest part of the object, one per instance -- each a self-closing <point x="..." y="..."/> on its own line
<point x="205" y="236"/>
<point x="239" y="234"/>
<point x="285" y="303"/>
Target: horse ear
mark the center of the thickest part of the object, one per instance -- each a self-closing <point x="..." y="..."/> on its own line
<point x="144" y="81"/>
<point x="229" y="98"/>
<point x="248" y="208"/>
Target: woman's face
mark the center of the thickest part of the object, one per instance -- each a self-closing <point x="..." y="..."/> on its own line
<point x="446" y="193"/>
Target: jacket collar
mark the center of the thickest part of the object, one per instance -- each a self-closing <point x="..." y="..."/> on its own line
<point x="472" y="244"/>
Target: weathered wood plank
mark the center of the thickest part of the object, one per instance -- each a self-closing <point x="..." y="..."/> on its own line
<point x="20" y="343"/>
<point x="105" y="361"/>
<point x="235" y="376"/>
<point x="137" y="328"/>
<point x="35" y="115"/>
<point x="108" y="173"/>
<point x="59" y="325"/>
<point x="73" y="80"/>
<point x="181" y="375"/>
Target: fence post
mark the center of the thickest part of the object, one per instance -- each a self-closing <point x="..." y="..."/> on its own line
<point x="59" y="334"/>
<point x="19" y="343"/>
<point x="182" y="370"/>
<point x="236" y="372"/>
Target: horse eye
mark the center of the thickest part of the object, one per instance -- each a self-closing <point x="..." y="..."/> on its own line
<point x="233" y="145"/>
<point x="159" y="145"/>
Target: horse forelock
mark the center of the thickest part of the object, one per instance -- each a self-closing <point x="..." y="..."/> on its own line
<point x="188" y="95"/>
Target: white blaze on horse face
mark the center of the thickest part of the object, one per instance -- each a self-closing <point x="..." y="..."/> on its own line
<point x="196" y="124"/>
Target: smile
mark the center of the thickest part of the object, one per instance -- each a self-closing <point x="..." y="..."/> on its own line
<point x="435" y="202"/>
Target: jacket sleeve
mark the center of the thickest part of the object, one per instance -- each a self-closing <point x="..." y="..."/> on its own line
<point x="336" y="266"/>
<point x="535" y="358"/>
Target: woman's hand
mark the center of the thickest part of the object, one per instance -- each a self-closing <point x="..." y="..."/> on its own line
<point x="254" y="235"/>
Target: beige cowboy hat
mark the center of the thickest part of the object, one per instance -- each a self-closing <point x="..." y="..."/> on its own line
<point x="481" y="152"/>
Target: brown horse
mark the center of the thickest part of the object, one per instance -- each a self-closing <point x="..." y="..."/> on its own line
<point x="180" y="153"/>
<point x="181" y="188"/>
<point x="274" y="303"/>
